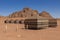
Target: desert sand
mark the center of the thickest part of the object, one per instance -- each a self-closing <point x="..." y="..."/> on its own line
<point x="12" y="33"/>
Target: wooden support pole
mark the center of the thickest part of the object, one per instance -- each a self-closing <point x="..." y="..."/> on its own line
<point x="5" y="28"/>
<point x="17" y="28"/>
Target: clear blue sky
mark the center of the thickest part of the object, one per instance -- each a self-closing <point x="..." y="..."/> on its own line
<point x="9" y="6"/>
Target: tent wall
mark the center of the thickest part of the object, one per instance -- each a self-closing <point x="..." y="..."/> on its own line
<point x="36" y="23"/>
<point x="52" y="22"/>
<point x="40" y="23"/>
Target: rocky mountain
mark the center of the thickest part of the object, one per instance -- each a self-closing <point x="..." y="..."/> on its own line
<point x="24" y="13"/>
<point x="45" y="14"/>
<point x="29" y="12"/>
<point x="2" y="16"/>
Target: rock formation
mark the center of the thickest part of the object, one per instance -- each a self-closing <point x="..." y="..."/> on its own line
<point x="45" y="14"/>
<point x="29" y="12"/>
<point x="2" y="16"/>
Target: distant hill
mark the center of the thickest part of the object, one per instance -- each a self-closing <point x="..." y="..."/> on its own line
<point x="45" y="14"/>
<point x="2" y="16"/>
<point x="25" y="12"/>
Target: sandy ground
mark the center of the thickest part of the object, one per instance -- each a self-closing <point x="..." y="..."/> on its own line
<point x="11" y="33"/>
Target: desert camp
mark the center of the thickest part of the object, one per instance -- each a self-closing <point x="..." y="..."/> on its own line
<point x="29" y="19"/>
<point x="27" y="22"/>
<point x="33" y="19"/>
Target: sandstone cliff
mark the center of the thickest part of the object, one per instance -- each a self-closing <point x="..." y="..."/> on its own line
<point x="29" y="12"/>
<point x="24" y="13"/>
<point x="45" y="14"/>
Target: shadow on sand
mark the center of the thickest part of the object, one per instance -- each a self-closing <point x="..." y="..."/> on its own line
<point x="37" y="28"/>
<point x="33" y="28"/>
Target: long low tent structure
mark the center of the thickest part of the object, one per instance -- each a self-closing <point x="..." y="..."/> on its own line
<point x="37" y="22"/>
<point x="34" y="22"/>
<point x="52" y="22"/>
<point x="14" y="21"/>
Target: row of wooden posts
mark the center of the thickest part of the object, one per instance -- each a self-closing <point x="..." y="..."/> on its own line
<point x="14" y="22"/>
<point x="6" y="28"/>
